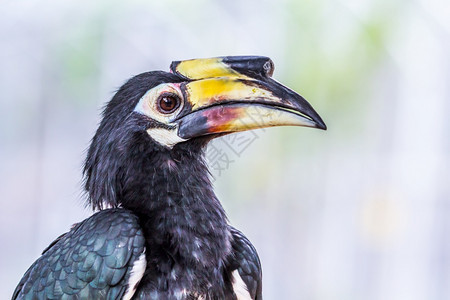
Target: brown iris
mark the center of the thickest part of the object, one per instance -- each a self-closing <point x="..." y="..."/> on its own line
<point x="168" y="103"/>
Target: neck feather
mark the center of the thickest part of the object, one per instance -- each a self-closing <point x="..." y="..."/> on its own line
<point x="183" y="221"/>
<point x="182" y="218"/>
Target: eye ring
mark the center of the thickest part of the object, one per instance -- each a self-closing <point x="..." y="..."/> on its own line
<point x="167" y="103"/>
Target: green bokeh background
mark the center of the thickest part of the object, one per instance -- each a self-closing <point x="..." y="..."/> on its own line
<point x="357" y="212"/>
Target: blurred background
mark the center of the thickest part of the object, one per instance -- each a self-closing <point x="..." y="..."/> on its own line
<point x="360" y="211"/>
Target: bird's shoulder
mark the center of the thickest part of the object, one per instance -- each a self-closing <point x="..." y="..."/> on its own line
<point x="102" y="257"/>
<point x="246" y="267"/>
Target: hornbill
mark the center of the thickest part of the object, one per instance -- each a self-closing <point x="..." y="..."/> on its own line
<point x="160" y="232"/>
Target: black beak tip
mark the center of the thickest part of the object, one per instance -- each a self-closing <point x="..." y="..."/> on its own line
<point x="320" y="124"/>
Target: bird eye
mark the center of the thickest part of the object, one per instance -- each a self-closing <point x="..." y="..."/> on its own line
<point x="167" y="103"/>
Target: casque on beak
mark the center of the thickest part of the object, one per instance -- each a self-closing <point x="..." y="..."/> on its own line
<point x="237" y="93"/>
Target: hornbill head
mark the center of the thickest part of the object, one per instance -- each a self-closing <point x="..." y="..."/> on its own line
<point x="160" y="113"/>
<point x="222" y="95"/>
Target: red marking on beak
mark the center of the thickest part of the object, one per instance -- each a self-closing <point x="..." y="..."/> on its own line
<point x="220" y="118"/>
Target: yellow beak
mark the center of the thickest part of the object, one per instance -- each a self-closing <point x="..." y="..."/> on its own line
<point x="230" y="94"/>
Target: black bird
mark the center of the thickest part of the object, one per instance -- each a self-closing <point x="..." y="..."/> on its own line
<point x="160" y="232"/>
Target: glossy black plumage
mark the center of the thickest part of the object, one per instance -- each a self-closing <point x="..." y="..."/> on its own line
<point x="92" y="261"/>
<point x="166" y="235"/>
<point x="246" y="262"/>
<point x="121" y="139"/>
<point x="177" y="207"/>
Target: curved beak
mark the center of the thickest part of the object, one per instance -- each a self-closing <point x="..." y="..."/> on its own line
<point x="232" y="94"/>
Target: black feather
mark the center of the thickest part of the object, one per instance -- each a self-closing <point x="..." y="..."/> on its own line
<point x="76" y="264"/>
<point x="118" y="130"/>
<point x="246" y="261"/>
<point x="165" y="200"/>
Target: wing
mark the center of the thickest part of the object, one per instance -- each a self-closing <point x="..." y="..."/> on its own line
<point x="99" y="258"/>
<point x="247" y="273"/>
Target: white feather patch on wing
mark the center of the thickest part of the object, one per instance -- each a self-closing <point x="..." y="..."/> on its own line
<point x="137" y="271"/>
<point x="166" y="137"/>
<point x="239" y="287"/>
